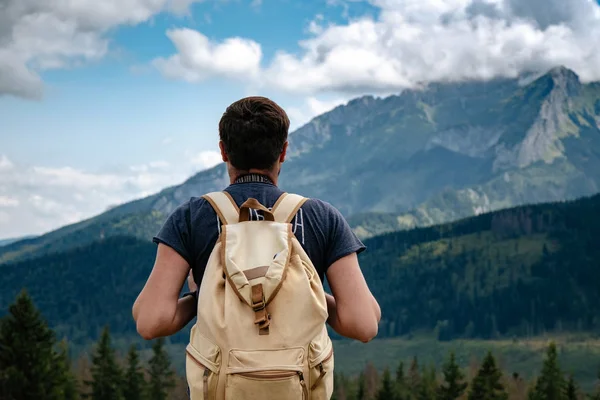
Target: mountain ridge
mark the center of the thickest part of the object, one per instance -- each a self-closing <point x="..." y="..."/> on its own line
<point x="427" y="156"/>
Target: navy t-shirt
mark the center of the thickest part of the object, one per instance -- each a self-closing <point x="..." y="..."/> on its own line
<point x="193" y="228"/>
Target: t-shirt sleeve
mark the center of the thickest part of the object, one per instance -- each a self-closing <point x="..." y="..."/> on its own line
<point x="175" y="232"/>
<point x="342" y="240"/>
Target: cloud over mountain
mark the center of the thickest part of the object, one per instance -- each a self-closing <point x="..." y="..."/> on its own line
<point x="407" y="43"/>
<point x="412" y="42"/>
<point x="36" y="199"/>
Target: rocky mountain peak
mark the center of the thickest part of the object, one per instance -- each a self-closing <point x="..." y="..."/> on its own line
<point x="566" y="81"/>
<point x="318" y="131"/>
<point x="556" y="92"/>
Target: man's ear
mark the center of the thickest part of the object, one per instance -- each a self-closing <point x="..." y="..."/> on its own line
<point x="283" y="152"/>
<point x="223" y="153"/>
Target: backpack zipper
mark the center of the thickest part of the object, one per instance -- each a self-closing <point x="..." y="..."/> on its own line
<point x="268" y="374"/>
<point x="205" y="384"/>
<point x="322" y="370"/>
<point x="303" y="384"/>
<point x="275" y="375"/>
<point x="204" y="375"/>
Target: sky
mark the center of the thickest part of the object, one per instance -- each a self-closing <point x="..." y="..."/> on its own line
<point x="105" y="102"/>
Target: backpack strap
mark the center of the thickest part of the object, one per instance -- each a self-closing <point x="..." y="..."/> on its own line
<point x="287" y="206"/>
<point x="224" y="206"/>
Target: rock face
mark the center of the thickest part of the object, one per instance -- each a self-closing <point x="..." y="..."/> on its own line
<point x="423" y="157"/>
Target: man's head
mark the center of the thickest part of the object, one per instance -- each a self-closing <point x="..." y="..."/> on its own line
<point x="253" y="135"/>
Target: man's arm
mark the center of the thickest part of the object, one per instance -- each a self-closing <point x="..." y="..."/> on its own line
<point x="353" y="311"/>
<point x="158" y="311"/>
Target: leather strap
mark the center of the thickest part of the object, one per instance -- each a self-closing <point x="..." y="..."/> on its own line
<point x="261" y="316"/>
<point x="224" y="206"/>
<point x="287" y="206"/>
<point x="255" y="205"/>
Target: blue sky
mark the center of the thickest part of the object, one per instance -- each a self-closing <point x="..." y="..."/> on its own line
<point x="124" y="110"/>
<point x="101" y="104"/>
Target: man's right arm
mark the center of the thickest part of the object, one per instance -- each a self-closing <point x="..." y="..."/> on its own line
<point x="353" y="311"/>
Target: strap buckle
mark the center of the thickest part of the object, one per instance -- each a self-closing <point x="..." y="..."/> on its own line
<point x="259" y="306"/>
<point x="262" y="317"/>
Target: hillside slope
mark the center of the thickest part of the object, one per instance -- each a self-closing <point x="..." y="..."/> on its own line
<point x="521" y="271"/>
<point x="6" y="242"/>
<point x="431" y="156"/>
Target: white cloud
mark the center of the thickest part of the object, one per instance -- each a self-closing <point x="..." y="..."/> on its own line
<point x="413" y="42"/>
<point x="6" y="201"/>
<point x="311" y="108"/>
<point x="318" y="107"/>
<point x="42" y="34"/>
<point x="153" y="165"/>
<point x="37" y="199"/>
<point x="198" y="58"/>
<point x="4" y="218"/>
<point x="5" y="163"/>
<point x="205" y="159"/>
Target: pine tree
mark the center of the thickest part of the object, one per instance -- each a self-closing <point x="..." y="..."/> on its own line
<point x="454" y="385"/>
<point x="428" y="385"/>
<point x="401" y="386"/>
<point x="361" y="391"/>
<point x="551" y="384"/>
<point x="28" y="360"/>
<point x="107" y="378"/>
<point x="371" y="381"/>
<point x="414" y="379"/>
<point x="68" y="382"/>
<point x="162" y="378"/>
<point x="571" y="389"/>
<point x="386" y="391"/>
<point x="487" y="383"/>
<point x="135" y="383"/>
<point x="596" y="393"/>
<point x="340" y="387"/>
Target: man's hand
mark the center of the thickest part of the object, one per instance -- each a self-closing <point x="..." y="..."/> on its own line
<point x="191" y="283"/>
<point x="353" y="311"/>
<point x="158" y="310"/>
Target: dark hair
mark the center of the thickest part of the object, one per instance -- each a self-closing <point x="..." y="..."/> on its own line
<point x="253" y="131"/>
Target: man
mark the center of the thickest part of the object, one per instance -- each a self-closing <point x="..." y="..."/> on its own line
<point x="253" y="141"/>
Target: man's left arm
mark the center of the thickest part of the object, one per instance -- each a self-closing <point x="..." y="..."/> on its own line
<point x="158" y="311"/>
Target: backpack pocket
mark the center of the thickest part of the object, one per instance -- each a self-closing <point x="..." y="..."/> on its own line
<point x="266" y="374"/>
<point x="321" y="364"/>
<point x="202" y="368"/>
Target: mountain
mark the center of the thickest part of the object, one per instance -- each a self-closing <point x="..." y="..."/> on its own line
<point x="5" y="242"/>
<point x="516" y="272"/>
<point x="420" y="158"/>
<point x="520" y="272"/>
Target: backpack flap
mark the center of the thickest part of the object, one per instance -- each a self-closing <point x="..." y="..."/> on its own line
<point x="255" y="257"/>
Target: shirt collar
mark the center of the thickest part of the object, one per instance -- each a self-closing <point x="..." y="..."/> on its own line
<point x="253" y="177"/>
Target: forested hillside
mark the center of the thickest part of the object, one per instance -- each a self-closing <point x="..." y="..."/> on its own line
<point x="85" y="289"/>
<point x="520" y="271"/>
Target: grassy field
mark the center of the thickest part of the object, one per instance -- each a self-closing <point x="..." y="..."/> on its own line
<point x="579" y="355"/>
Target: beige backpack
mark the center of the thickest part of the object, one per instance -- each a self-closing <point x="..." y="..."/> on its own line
<point x="260" y="332"/>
